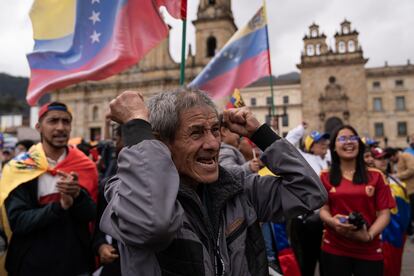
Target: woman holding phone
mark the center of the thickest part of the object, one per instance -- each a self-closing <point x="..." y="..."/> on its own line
<point x="351" y="244"/>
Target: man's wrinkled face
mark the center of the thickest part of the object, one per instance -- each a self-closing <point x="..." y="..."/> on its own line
<point x="54" y="128"/>
<point x="196" y="145"/>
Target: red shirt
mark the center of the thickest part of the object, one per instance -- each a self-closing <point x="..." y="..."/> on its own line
<point x="364" y="198"/>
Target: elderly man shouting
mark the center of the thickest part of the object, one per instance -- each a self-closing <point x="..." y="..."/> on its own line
<point x="175" y="211"/>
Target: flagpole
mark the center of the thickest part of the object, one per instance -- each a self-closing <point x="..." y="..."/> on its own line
<point x="270" y="63"/>
<point x="183" y="41"/>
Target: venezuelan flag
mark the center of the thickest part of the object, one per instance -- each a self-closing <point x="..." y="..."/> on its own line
<point x="244" y="59"/>
<point x="77" y="40"/>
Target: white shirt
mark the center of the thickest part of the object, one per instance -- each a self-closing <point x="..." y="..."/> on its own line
<point x="47" y="182"/>
<point x="315" y="161"/>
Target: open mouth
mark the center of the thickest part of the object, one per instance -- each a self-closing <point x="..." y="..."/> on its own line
<point x="207" y="162"/>
<point x="60" y="137"/>
<point x="349" y="148"/>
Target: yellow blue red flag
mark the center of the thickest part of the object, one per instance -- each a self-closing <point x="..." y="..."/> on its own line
<point x="236" y="100"/>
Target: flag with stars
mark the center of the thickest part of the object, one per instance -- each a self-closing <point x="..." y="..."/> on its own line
<point x="241" y="61"/>
<point x="77" y="40"/>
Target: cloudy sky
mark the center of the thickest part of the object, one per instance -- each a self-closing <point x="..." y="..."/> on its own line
<point x="386" y="29"/>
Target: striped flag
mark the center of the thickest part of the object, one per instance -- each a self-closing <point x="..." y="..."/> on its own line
<point x="243" y="60"/>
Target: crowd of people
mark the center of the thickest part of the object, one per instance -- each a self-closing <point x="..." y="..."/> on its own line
<point x="184" y="190"/>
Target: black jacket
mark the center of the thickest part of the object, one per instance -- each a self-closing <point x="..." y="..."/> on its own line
<point x="48" y="240"/>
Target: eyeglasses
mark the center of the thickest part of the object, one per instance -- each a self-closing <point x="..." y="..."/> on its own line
<point x="344" y="139"/>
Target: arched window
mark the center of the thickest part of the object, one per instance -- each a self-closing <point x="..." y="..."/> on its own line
<point x="341" y="47"/>
<point x="314" y="33"/>
<point x="95" y="113"/>
<point x="310" y="51"/>
<point x="318" y="49"/>
<point x="211" y="46"/>
<point x="332" y="124"/>
<point x="345" y="30"/>
<point x="351" y="46"/>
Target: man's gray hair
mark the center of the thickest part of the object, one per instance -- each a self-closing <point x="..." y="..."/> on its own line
<point x="165" y="109"/>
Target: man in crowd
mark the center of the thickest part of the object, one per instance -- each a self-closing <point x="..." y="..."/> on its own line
<point x="48" y="195"/>
<point x="402" y="165"/>
<point x="171" y="206"/>
<point x="104" y="246"/>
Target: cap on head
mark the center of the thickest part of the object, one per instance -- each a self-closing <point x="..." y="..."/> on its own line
<point x="369" y="142"/>
<point x="53" y="106"/>
<point x="379" y="153"/>
<point x="314" y="137"/>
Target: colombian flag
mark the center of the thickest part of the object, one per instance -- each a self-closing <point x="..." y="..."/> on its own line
<point x="236" y="100"/>
<point x="244" y="59"/>
<point x="77" y="40"/>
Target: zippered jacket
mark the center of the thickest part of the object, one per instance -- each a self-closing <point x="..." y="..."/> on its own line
<point x="166" y="227"/>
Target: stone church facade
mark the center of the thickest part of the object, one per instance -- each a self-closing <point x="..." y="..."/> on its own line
<point x="334" y="87"/>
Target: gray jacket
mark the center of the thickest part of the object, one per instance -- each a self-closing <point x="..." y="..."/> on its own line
<point x="231" y="158"/>
<point x="165" y="229"/>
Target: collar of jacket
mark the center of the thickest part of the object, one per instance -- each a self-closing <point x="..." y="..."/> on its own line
<point x="219" y="192"/>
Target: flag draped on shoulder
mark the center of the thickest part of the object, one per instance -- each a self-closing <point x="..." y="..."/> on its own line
<point x="30" y="165"/>
<point x="77" y="40"/>
<point x="244" y="59"/>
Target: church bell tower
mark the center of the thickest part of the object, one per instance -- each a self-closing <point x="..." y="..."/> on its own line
<point x="214" y="27"/>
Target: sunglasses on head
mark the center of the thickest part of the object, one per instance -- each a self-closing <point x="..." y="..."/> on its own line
<point x="344" y="139"/>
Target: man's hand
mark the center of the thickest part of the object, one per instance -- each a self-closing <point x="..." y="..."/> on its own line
<point x="68" y="184"/>
<point x="107" y="253"/>
<point x="241" y="121"/>
<point x="128" y="106"/>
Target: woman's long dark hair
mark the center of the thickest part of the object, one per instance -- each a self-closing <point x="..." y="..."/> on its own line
<point x="335" y="173"/>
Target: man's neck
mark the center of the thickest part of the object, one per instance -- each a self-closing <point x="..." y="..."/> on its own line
<point x="52" y="152"/>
